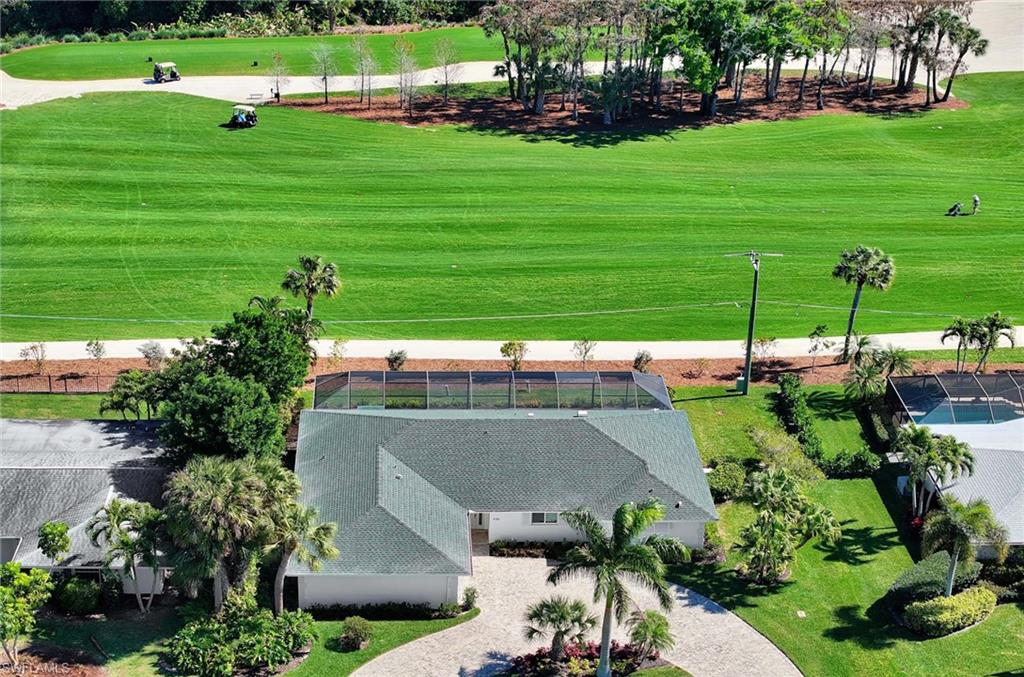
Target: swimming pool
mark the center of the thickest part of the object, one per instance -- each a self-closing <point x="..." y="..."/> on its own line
<point x="971" y="412"/>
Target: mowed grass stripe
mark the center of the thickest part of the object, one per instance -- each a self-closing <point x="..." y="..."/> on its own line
<point x="139" y="206"/>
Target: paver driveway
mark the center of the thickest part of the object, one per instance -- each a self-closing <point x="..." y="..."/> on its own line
<point x="709" y="639"/>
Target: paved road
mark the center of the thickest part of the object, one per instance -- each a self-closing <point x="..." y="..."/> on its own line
<point x="710" y="640"/>
<point x="536" y="350"/>
<point x="1001" y="21"/>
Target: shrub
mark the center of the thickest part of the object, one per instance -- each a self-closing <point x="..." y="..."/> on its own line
<point x="70" y="37"/>
<point x="448" y="610"/>
<point x="79" y="596"/>
<point x="396" y="360"/>
<point x="139" y="35"/>
<point x="183" y="34"/>
<point x="164" y="34"/>
<point x="202" y="648"/>
<point x="356" y="632"/>
<point x="385" y="611"/>
<point x="792" y="410"/>
<point x="713" y="551"/>
<point x="5" y="47"/>
<point x="945" y="615"/>
<point x="642" y="361"/>
<point x="113" y="37"/>
<point x="927" y="580"/>
<point x="90" y="36"/>
<point x="726" y="480"/>
<point x="296" y="628"/>
<point x="848" y="464"/>
<point x="469" y="597"/>
<point x="259" y="644"/>
<point x="38" y="39"/>
<point x="549" y="549"/>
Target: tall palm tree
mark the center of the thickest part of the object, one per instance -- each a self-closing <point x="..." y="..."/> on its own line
<point x="118" y="524"/>
<point x="864" y="383"/>
<point x="863" y="267"/>
<point x="991" y="329"/>
<point x="893" y="360"/>
<point x="862" y="350"/>
<point x="314" y="277"/>
<point x="566" y="620"/>
<point x="649" y="631"/>
<point x="953" y="459"/>
<point x="962" y="331"/>
<point x="967" y="39"/>
<point x="216" y="511"/>
<point x="612" y="560"/>
<point x="917" y="446"/>
<point x="300" y="534"/>
<point x="956" y="528"/>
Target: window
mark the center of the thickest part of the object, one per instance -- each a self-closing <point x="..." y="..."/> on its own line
<point x="543" y="518"/>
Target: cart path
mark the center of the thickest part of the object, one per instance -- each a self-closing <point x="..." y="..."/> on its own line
<point x="537" y="350"/>
<point x="710" y="640"/>
<point x="1001" y="22"/>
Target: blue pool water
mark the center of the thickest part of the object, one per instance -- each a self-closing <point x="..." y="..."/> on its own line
<point x="968" y="413"/>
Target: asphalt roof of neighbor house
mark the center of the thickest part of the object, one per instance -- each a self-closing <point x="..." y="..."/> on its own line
<point x="399" y="483"/>
<point x="65" y="471"/>
<point x="998" y="478"/>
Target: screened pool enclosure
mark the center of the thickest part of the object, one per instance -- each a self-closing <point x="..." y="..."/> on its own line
<point x="490" y="390"/>
<point x="937" y="399"/>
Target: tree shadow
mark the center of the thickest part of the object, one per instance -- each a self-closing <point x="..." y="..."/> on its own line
<point x="831" y="405"/>
<point x="896" y="506"/>
<point x="860" y="545"/>
<point x="872" y="628"/>
<point x="732" y="392"/>
<point x="722" y="585"/>
<point x="498" y="663"/>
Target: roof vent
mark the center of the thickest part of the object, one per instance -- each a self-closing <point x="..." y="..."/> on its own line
<point x="679" y="504"/>
<point x="398" y="476"/>
<point x="529" y="414"/>
<point x="581" y="412"/>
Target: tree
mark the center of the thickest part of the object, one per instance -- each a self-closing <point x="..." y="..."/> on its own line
<point x="54" y="540"/>
<point x="313" y="278"/>
<point x="953" y="459"/>
<point x="22" y="594"/>
<point x="446" y="61"/>
<point x="36" y="354"/>
<point x="324" y="67"/>
<point x="129" y="532"/>
<point x="514" y="352"/>
<point x="299" y="533"/>
<point x="221" y="415"/>
<point x="863" y="267"/>
<point x="988" y="332"/>
<point x="154" y="354"/>
<point x="862" y="350"/>
<point x="217" y="514"/>
<point x="865" y="382"/>
<point x="963" y="331"/>
<point x="650" y="632"/>
<point x="407" y="70"/>
<point x="612" y="559"/>
<point x="366" y="67"/>
<point x="820" y="343"/>
<point x="956" y="527"/>
<point x="262" y="345"/>
<point x="786" y="519"/>
<point x="333" y="10"/>
<point x="929" y="457"/>
<point x="129" y="392"/>
<point x="893" y="360"/>
<point x="278" y="74"/>
<point x="966" y="39"/>
<point x="566" y="621"/>
<point x="95" y="349"/>
<point x="584" y="351"/>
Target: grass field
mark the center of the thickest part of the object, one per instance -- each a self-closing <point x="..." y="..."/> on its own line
<point x="229" y="56"/>
<point x="46" y="406"/>
<point x="136" y="215"/>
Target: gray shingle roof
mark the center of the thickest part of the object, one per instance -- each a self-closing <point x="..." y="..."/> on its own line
<point x="65" y="471"/>
<point x="998" y="478"/>
<point x="452" y="462"/>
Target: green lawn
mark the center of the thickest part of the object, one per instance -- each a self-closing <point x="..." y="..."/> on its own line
<point x="847" y="629"/>
<point x="163" y="223"/>
<point x="134" y="644"/>
<point x="18" y="405"/>
<point x="229" y="56"/>
<point x="999" y="355"/>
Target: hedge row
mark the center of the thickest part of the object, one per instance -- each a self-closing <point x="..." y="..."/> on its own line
<point x="385" y="611"/>
<point x="944" y="615"/>
<point x="25" y="40"/>
<point x="927" y="580"/>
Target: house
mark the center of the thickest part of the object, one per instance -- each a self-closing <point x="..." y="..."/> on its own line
<point x="985" y="411"/>
<point x="65" y="471"/>
<point x="414" y="491"/>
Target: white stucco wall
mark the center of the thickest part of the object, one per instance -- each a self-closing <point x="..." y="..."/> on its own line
<point x="516" y="526"/>
<point x="326" y="589"/>
<point x="145" y="578"/>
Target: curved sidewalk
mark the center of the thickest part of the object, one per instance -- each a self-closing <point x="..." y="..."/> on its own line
<point x="710" y="640"/>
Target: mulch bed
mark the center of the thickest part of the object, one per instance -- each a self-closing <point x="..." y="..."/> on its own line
<point x="678" y="109"/>
<point x="45" y="659"/>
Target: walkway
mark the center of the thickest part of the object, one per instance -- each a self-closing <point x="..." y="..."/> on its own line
<point x="1000" y="21"/>
<point x="710" y="641"/>
<point x="536" y="350"/>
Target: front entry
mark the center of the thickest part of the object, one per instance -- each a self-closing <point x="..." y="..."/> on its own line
<point x="479" y="532"/>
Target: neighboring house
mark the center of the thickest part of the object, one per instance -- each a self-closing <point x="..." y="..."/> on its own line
<point x="416" y="491"/>
<point x="985" y="411"/>
<point x="65" y="471"/>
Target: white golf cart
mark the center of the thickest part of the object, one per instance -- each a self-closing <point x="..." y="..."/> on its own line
<point x="243" y="116"/>
<point x="165" y="72"/>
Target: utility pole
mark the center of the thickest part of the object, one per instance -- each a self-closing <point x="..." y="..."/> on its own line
<point x="743" y="385"/>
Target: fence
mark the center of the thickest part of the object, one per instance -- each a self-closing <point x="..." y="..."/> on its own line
<point x="62" y="383"/>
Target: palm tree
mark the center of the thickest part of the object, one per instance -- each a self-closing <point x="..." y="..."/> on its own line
<point x="962" y="331"/>
<point x="215" y="511"/>
<point x="863" y="267"/>
<point x="953" y="459"/>
<point x="313" y="278"/>
<point x="861" y="351"/>
<point x="967" y="39"/>
<point x="956" y="528"/>
<point x="990" y="330"/>
<point x="301" y="534"/>
<point x="892" y="360"/>
<point x="565" y="620"/>
<point x="649" y="631"/>
<point x="864" y="383"/>
<point x="116" y="524"/>
<point x="299" y="323"/>
<point x="916" y="445"/>
<point x="613" y="559"/>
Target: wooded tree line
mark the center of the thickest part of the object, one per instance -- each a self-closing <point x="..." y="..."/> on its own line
<point x="711" y="44"/>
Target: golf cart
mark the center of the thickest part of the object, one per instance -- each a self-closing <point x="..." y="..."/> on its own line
<point x="243" y="116"/>
<point x="163" y="72"/>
